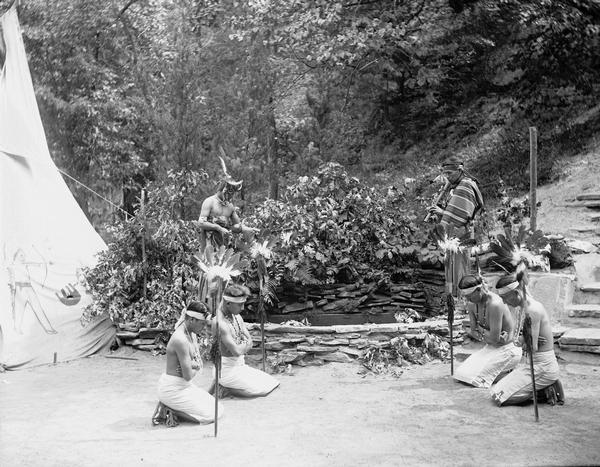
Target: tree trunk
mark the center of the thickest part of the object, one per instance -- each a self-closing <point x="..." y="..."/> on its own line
<point x="272" y="152"/>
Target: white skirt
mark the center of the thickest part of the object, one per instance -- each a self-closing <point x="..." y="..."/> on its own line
<point x="516" y="387"/>
<point x="484" y="366"/>
<point x="235" y="374"/>
<point x="184" y="396"/>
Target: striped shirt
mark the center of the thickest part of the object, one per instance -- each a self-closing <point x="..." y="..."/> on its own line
<point x="466" y="199"/>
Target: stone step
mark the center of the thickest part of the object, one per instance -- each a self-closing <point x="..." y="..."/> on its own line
<point x="588" y="196"/>
<point x="595" y="217"/>
<point x="591" y="204"/>
<point x="583" y="228"/>
<point x="580" y="246"/>
<point x="583" y="310"/>
<point x="590" y="287"/>
<point x="581" y="337"/>
<point x="581" y="340"/>
<point x="574" y="323"/>
<point x="581" y="348"/>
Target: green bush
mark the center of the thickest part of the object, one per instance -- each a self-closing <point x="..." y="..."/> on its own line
<point x="327" y="228"/>
<point x="336" y="229"/>
<point x="166" y="266"/>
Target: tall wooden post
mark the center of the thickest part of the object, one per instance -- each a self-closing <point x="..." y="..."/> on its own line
<point x="533" y="177"/>
<point x="144" y="257"/>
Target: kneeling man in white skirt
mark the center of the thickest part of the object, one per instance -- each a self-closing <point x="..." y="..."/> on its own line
<point x="492" y="323"/>
<point x="237" y="378"/>
<point x="178" y="396"/>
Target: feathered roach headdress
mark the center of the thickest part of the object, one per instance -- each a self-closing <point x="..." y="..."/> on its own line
<point x="235" y="185"/>
<point x="514" y="256"/>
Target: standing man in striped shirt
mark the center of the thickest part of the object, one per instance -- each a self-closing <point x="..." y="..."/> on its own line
<point x="457" y="218"/>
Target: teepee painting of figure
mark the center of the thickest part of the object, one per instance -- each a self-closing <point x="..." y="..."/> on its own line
<point x="22" y="288"/>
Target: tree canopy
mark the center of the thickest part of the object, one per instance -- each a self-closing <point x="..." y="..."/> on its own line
<point x="130" y="89"/>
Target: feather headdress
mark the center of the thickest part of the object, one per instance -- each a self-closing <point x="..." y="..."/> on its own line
<point x="227" y="178"/>
<point x="515" y="255"/>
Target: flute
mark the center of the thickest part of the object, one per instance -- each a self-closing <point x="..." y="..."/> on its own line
<point x="439" y="197"/>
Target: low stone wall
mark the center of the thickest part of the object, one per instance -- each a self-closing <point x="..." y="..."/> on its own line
<point x="302" y="345"/>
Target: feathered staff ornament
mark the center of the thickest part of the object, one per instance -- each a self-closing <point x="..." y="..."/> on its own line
<point x="447" y="243"/>
<point x="262" y="253"/>
<point x="218" y="268"/>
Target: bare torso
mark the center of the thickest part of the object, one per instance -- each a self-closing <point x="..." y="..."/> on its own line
<point x="494" y="320"/>
<point x="540" y="325"/>
<point x="181" y="340"/>
<point x="218" y="211"/>
<point x="235" y="338"/>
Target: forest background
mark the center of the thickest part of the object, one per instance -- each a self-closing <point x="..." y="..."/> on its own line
<point x="140" y="94"/>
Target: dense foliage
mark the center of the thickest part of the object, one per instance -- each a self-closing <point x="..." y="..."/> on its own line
<point x="149" y="271"/>
<point x="327" y="228"/>
<point x="337" y="228"/>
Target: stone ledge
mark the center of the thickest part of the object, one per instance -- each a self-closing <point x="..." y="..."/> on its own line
<point x="581" y="348"/>
<point x="584" y="310"/>
<point x="590" y="287"/>
<point x="581" y="337"/>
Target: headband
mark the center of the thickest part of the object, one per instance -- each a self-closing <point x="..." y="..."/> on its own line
<point x="195" y="314"/>
<point x="470" y="290"/>
<point x="507" y="288"/>
<point x="229" y="298"/>
<point x="453" y="166"/>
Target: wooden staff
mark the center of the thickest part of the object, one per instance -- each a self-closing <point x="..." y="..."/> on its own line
<point x="450" y="306"/>
<point x="215" y="299"/>
<point x="529" y="341"/>
<point x="261" y="270"/>
<point x="528" y="338"/>
<point x="261" y="307"/>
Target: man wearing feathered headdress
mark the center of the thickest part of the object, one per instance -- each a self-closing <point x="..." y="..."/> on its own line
<point x="517" y="387"/>
<point x="218" y="216"/>
<point x="491" y="323"/>
<point x="456" y="217"/>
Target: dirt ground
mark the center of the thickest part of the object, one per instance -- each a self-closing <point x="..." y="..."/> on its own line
<point x="96" y="411"/>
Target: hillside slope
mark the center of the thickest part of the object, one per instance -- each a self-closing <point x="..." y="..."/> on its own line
<point x="557" y="215"/>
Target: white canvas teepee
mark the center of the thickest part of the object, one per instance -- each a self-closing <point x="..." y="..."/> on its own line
<point x="45" y="239"/>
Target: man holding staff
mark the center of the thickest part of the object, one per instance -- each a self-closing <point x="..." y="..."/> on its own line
<point x="178" y="396"/>
<point x="492" y="323"/>
<point x="517" y="387"/>
<point x="237" y="378"/>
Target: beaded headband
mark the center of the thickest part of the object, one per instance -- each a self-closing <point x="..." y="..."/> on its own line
<point x="507" y="288"/>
